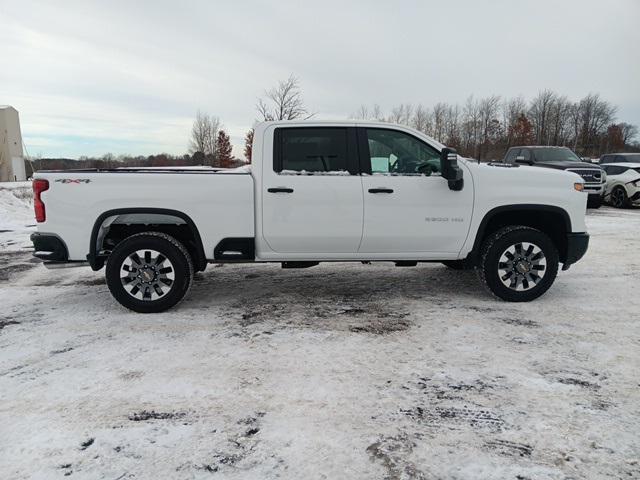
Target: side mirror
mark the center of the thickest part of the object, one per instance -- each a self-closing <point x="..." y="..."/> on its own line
<point x="450" y="170"/>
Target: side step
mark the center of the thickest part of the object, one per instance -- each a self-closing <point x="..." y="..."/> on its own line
<point x="299" y="264"/>
<point x="406" y="263"/>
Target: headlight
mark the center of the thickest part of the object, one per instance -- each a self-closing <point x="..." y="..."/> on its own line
<point x="578" y="186"/>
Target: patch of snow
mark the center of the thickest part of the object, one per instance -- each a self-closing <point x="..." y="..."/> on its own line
<point x="241" y="169"/>
<point x="17" y="218"/>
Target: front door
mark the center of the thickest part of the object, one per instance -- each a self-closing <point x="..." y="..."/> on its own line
<point x="408" y="207"/>
<point x="312" y="194"/>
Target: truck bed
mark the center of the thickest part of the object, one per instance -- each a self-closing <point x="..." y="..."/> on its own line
<point x="219" y="202"/>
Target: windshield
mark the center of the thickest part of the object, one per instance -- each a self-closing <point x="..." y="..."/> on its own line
<point x="556" y="155"/>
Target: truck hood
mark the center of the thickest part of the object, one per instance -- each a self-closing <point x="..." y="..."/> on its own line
<point x="522" y="172"/>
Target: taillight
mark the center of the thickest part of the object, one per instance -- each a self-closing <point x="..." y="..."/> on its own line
<point x="39" y="186"/>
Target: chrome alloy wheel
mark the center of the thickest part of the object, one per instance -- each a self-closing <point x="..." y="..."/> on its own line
<point x="147" y="275"/>
<point x="522" y="266"/>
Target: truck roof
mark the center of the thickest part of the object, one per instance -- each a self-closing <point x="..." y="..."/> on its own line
<point x="347" y="123"/>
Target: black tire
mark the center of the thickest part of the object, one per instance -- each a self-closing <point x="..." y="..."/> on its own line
<point x="618" y="197"/>
<point x="493" y="261"/>
<point x="457" y="264"/>
<point x="594" y="202"/>
<point x="172" y="257"/>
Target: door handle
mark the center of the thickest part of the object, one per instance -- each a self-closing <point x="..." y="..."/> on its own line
<point x="280" y="190"/>
<point x="381" y="190"/>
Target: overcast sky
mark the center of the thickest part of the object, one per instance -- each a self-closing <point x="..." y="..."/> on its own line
<point x="93" y="77"/>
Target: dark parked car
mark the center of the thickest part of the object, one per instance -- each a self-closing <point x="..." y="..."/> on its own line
<point x="620" y="158"/>
<point x="562" y="158"/>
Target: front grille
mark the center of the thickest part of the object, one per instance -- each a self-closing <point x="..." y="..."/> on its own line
<point x="589" y="175"/>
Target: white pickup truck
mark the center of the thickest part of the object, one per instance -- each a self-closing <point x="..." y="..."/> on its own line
<point x="316" y="192"/>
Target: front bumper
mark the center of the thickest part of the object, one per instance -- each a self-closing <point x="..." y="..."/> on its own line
<point x="49" y="247"/>
<point x="577" y="244"/>
<point x="594" y="189"/>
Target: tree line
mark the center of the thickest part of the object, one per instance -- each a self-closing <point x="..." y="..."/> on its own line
<point x="484" y="128"/>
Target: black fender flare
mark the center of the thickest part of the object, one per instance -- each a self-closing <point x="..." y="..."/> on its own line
<point x="530" y="207"/>
<point x="97" y="262"/>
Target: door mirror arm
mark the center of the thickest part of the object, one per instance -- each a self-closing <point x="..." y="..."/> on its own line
<point x="521" y="159"/>
<point x="450" y="169"/>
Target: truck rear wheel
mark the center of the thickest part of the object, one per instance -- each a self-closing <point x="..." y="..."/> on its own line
<point x="149" y="272"/>
<point x="518" y="263"/>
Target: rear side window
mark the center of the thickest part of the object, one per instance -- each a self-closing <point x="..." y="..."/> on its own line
<point x="311" y="150"/>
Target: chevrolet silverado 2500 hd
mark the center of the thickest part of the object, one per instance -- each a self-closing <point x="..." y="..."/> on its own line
<point x="316" y="192"/>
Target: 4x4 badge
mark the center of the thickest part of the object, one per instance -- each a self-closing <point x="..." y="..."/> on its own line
<point x="73" y="180"/>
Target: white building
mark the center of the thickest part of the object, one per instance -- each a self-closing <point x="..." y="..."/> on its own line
<point x="11" y="156"/>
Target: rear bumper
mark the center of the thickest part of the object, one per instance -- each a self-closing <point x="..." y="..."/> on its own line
<point x="577" y="245"/>
<point x="49" y="247"/>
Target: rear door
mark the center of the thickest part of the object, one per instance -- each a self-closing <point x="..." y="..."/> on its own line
<point x="312" y="194"/>
<point x="408" y="206"/>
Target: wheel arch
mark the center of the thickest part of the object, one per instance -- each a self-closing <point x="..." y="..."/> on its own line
<point x="138" y="216"/>
<point x="550" y="219"/>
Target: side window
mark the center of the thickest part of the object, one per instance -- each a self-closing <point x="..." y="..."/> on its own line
<point x="310" y="149"/>
<point x="526" y="153"/>
<point x="397" y="153"/>
<point x="620" y="159"/>
<point x="606" y="159"/>
<point x="511" y="155"/>
<point x="614" y="170"/>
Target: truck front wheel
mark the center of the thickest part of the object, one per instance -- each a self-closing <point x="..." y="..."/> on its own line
<point x="518" y="263"/>
<point x="149" y="272"/>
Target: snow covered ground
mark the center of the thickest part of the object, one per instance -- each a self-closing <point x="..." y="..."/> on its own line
<point x="338" y="371"/>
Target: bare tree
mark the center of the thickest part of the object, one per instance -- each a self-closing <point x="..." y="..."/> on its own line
<point x="401" y="114"/>
<point x="559" y="120"/>
<point x="376" y="113"/>
<point x="439" y="121"/>
<point x="471" y="126"/>
<point x="421" y="120"/>
<point x="512" y="111"/>
<point x="629" y="132"/>
<point x="539" y="112"/>
<point x="203" y="135"/>
<point x="595" y="115"/>
<point x="283" y="102"/>
<point x="490" y="125"/>
<point x="452" y="126"/>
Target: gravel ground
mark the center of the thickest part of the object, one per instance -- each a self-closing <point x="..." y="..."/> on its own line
<point x="338" y="371"/>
